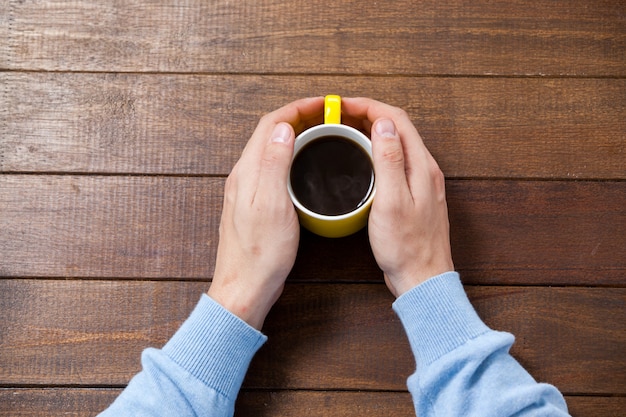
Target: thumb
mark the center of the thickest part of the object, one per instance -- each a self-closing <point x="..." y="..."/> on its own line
<point x="389" y="161"/>
<point x="276" y="159"/>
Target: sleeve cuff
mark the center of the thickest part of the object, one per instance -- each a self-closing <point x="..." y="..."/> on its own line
<point x="215" y="346"/>
<point x="438" y="317"/>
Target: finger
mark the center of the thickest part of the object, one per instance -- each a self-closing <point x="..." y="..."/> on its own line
<point x="372" y="110"/>
<point x="300" y="113"/>
<point x="417" y="157"/>
<point x="275" y="162"/>
<point x="297" y="114"/>
<point x="389" y="161"/>
<point x="249" y="163"/>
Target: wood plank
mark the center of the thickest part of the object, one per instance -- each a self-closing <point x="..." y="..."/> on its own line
<point x="175" y="124"/>
<point x="79" y="402"/>
<point x="86" y="333"/>
<point x="87" y="402"/>
<point x="383" y="404"/>
<point x="452" y="37"/>
<point x="109" y="226"/>
<point x="503" y="232"/>
<point x="565" y="320"/>
<point x="581" y="406"/>
<point x="44" y="402"/>
<point x="324" y="403"/>
<point x="573" y="232"/>
<point x="320" y="335"/>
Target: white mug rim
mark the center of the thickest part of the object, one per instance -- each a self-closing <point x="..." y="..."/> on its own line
<point x="320" y="131"/>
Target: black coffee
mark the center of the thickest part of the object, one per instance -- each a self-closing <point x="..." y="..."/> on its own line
<point x="332" y="176"/>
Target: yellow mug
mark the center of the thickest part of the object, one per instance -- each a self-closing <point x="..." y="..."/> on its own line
<point x="335" y="225"/>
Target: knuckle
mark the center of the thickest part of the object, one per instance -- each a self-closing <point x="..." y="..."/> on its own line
<point x="231" y="180"/>
<point x="393" y="155"/>
<point x="400" y="113"/>
<point x="271" y="160"/>
<point x="266" y="118"/>
<point x="438" y="179"/>
<point x="229" y="192"/>
<point x="229" y="185"/>
<point x="435" y="171"/>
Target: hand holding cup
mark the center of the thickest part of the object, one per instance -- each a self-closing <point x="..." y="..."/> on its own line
<point x="408" y="223"/>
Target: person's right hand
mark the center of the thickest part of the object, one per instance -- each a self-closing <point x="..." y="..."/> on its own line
<point x="408" y="223"/>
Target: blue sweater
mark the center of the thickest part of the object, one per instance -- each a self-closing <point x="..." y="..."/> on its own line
<point x="463" y="367"/>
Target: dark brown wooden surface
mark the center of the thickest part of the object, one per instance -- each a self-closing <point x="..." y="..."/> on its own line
<point x="47" y="343"/>
<point x="401" y="37"/>
<point x="503" y="232"/>
<point x="16" y="402"/>
<point x="198" y="124"/>
<point x="119" y="124"/>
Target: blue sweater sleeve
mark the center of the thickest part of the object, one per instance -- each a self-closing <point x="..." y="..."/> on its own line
<point x="463" y="368"/>
<point x="198" y="372"/>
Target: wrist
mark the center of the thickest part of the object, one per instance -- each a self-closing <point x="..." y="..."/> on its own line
<point x="405" y="281"/>
<point x="249" y="305"/>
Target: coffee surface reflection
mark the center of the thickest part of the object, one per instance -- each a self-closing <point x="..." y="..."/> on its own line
<point x="332" y="176"/>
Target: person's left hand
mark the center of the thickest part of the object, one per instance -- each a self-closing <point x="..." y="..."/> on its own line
<point x="259" y="230"/>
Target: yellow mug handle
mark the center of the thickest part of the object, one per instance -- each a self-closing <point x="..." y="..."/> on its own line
<point x="332" y="110"/>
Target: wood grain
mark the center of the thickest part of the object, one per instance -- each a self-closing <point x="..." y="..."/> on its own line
<point x="503" y="232"/>
<point x="40" y="402"/>
<point x="383" y="404"/>
<point x="119" y="123"/>
<point x="191" y="124"/>
<point x="320" y="336"/>
<point x="543" y="37"/>
<point x="33" y="402"/>
<point x="572" y="232"/>
<point x="109" y="226"/>
<point x="581" y="406"/>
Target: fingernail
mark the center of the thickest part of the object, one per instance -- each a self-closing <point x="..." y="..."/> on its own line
<point x="281" y="133"/>
<point x="386" y="128"/>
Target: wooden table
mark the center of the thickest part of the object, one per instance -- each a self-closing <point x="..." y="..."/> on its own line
<point x="119" y="124"/>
